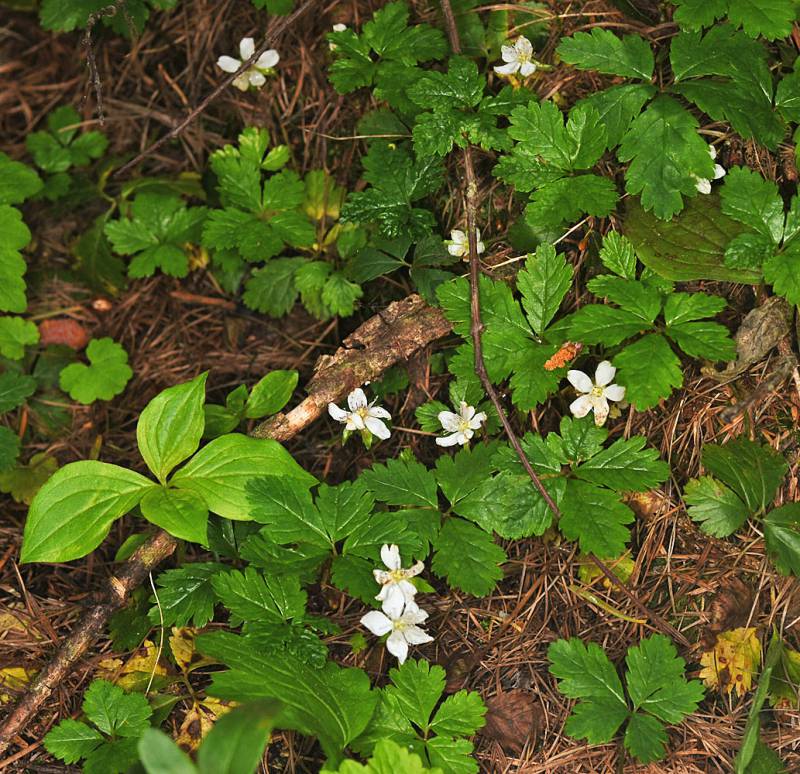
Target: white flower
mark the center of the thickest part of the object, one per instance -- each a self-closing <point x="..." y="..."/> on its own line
<point x="458" y="244"/>
<point x="362" y="416"/>
<point x="255" y="75"/>
<point x="462" y="426"/>
<point x="396" y="588"/>
<point x="596" y="394"/>
<point x="519" y="58"/>
<point x="403" y="628"/>
<point x="337" y="28"/>
<point x="703" y="185"/>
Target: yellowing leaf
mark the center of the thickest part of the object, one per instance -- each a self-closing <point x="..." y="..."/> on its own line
<point x="197" y="722"/>
<point x="135" y="673"/>
<point x="181" y="643"/>
<point x="589" y="572"/>
<point x="14" y="679"/>
<point x="731" y="663"/>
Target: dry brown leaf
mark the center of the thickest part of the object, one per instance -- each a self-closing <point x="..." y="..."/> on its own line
<point x="730" y="609"/>
<point x="63" y="331"/>
<point x="511" y="720"/>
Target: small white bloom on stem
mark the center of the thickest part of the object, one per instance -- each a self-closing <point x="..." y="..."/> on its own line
<point x="404" y="629"/>
<point x="256" y="75"/>
<point x="396" y="588"/>
<point x="337" y="28"/>
<point x="518" y="58"/>
<point x="461" y="426"/>
<point x="703" y="185"/>
<point x="362" y="416"/>
<point x="458" y="244"/>
<point x="596" y="394"/>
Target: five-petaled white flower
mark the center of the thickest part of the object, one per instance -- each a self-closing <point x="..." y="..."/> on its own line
<point x="255" y="75"/>
<point x="363" y="416"/>
<point x="596" y="394"/>
<point x="403" y="627"/>
<point x="396" y="588"/>
<point x="519" y="58"/>
<point x="703" y="185"/>
<point x="462" y="426"/>
<point x="458" y="244"/>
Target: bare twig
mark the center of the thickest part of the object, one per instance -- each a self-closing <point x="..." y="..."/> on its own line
<point x="395" y="334"/>
<point x="267" y="43"/>
<point x="476" y="329"/>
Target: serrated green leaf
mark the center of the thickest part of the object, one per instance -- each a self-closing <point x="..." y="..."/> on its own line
<point x="460" y="474"/>
<point x="416" y="689"/>
<point x="459" y="715"/>
<point x="770" y="19"/>
<point x="639" y="298"/>
<point x="598" y="324"/>
<point x="753" y="201"/>
<point x="569" y="198"/>
<point x="717" y="509"/>
<point x="18" y="181"/>
<point x="618" y="255"/>
<point x="254" y="596"/>
<point x="748" y="251"/>
<point x="115" y="712"/>
<point x="182" y="514"/>
<point x="160" y="755"/>
<point x="9" y="449"/>
<point x="15" y="335"/>
<point x="72" y="740"/>
<point x="617" y="106"/>
<point x="543" y="283"/>
<point x="24" y="481"/>
<point x="645" y="737"/>
<point x="271" y="289"/>
<point x="74" y="510"/>
<point x="783" y="273"/>
<point x="185" y="594"/>
<point x="603" y="51"/>
<point x="14" y="236"/>
<point x="467" y="557"/>
<point x="452" y="755"/>
<point x="625" y="466"/>
<point x="402" y="482"/>
<point x="461" y="87"/>
<point x="105" y="377"/>
<point x="116" y="756"/>
<point x="15" y="388"/>
<point x="649" y="370"/>
<point x="782" y="537"/>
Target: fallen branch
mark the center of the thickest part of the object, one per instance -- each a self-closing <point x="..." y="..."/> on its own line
<point x="389" y="337"/>
<point x="476" y="329"/>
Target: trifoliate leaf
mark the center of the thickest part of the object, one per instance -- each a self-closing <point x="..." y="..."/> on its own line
<point x="18" y="181"/>
<point x="185" y="594"/>
<point x="603" y="51"/>
<point x="14" y="389"/>
<point x="618" y="255"/>
<point x="782" y="536"/>
<point x="717" y="509"/>
<point x="467" y="557"/>
<point x="754" y="201"/>
<point x="15" y="335"/>
<point x="106" y="375"/>
<point x="271" y="289"/>
<point x="666" y="156"/>
<point x="254" y="596"/>
<point x="61" y="148"/>
<point x="115" y="712"/>
<point x="625" y="466"/>
<point x="649" y="370"/>
<point x="416" y="689"/>
<point x="617" y="106"/>
<point x="459" y="715"/>
<point x="595" y="517"/>
<point x="754" y="472"/>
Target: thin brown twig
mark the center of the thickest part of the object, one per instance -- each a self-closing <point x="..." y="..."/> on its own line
<point x="267" y="43"/>
<point x="476" y="329"/>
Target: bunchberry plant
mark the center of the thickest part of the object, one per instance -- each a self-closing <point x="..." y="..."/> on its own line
<point x="741" y="482"/>
<point x="656" y="693"/>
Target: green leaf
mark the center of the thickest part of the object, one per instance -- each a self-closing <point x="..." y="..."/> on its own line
<point x="115" y="712"/>
<point x="105" y="377"/>
<point x="15" y="335"/>
<point x="460" y="474"/>
<point x="185" y="594"/>
<point x="603" y="51"/>
<point x="618" y="255"/>
<point x="754" y="472"/>
<point x="753" y="201"/>
<point x="649" y="370"/>
<point x="24" y="481"/>
<point x="452" y="755"/>
<point x="402" y="482"/>
<point x="748" y="251"/>
<point x="220" y="472"/>
<point x="595" y="517"/>
<point x="388" y="758"/>
<point x="182" y="514"/>
<point x="460" y="87"/>
<point x="235" y="745"/>
<point x="271" y="289"/>
<point x="695" y="14"/>
<point x="416" y="689"/>
<point x="639" y="298"/>
<point x="75" y="508"/>
<point x="690" y="246"/>
<point x="666" y="156"/>
<point x="9" y="449"/>
<point x="625" y="466"/>
<point x="703" y="339"/>
<point x="160" y="755"/>
<point x="580" y="439"/>
<point x="271" y="394"/>
<point x="782" y="536"/>
<point x="586" y="673"/>
<point x="15" y="388"/>
<point x="72" y="740"/>
<point x="543" y="283"/>
<point x="18" y="181"/>
<point x="171" y="426"/>
<point x="253" y="596"/>
<point x="717" y="509"/>
<point x="617" y="106"/>
<point x="645" y="738"/>
<point x="783" y="273"/>
<point x="15" y="236"/>
<point x="288" y="511"/>
<point x="339" y="295"/>
<point x="467" y="557"/>
<point x="770" y="19"/>
<point x="459" y="715"/>
<point x="597" y="324"/>
<point x="116" y="756"/>
<point x="332" y="703"/>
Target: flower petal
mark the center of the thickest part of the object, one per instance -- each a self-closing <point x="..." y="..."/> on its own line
<point x="397" y="646"/>
<point x="415" y="569"/>
<point x="382" y="577"/>
<point x="614" y="392"/>
<point x="390" y="556"/>
<point x="256" y="78"/>
<point x="377" y="623"/>
<point x="719" y="171"/>
<point x="523" y="47"/>
<point x="357" y="399"/>
<point x="414" y="614"/>
<point x="527" y="68"/>
<point x="449" y="440"/>
<point x="379" y="412"/>
<point x="580" y="381"/>
<point x="600" y="410"/>
<point x="449" y="421"/>
<point x="377" y="428"/>
<point x="394" y="602"/>
<point x="508" y="53"/>
<point x="339" y="414"/>
<point x="247" y="48"/>
<point x="581" y="407"/>
<point x="268" y="60"/>
<point x="228" y="64"/>
<point x="703" y="186"/>
<point x="476" y="421"/>
<point x="467" y="412"/>
<point x="712" y="151"/>
<point x="507" y="69"/>
<point x="416" y="636"/>
<point x="457" y="250"/>
<point x="458" y="236"/>
<point x="355" y="422"/>
<point x="604" y="373"/>
<point x="242" y="82"/>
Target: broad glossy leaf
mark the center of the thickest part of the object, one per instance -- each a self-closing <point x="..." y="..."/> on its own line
<point x="74" y="510"/>
<point x="235" y="745"/>
<point x="160" y="755"/>
<point x="182" y="514"/>
<point x="271" y="394"/>
<point x="221" y="471"/>
<point x="171" y="426"/>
